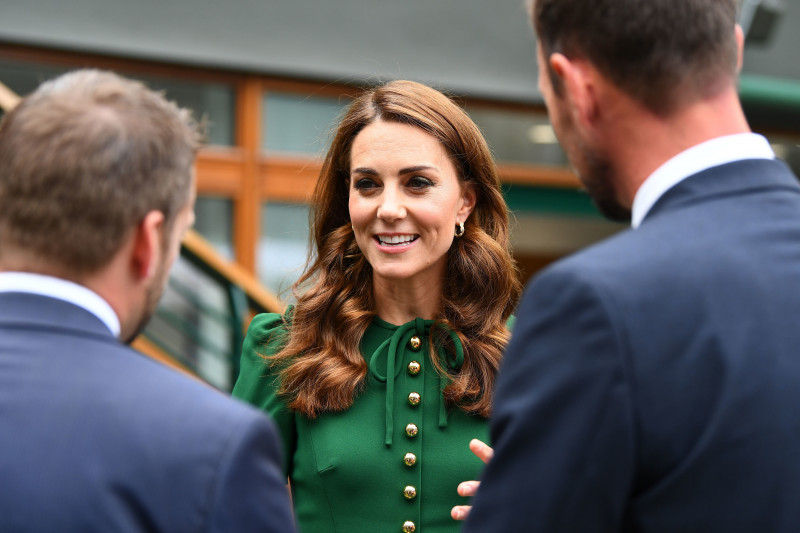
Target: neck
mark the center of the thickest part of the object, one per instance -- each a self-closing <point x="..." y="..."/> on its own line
<point x="399" y="301"/>
<point x="116" y="285"/>
<point x="642" y="141"/>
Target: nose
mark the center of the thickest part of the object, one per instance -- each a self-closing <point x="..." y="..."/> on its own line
<point x="391" y="206"/>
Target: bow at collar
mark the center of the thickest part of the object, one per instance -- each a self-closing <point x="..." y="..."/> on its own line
<point x="399" y="340"/>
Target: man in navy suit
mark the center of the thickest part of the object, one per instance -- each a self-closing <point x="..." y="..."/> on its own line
<point x="652" y="382"/>
<point x="96" y="191"/>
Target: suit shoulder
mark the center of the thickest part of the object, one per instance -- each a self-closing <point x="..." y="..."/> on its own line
<point x="165" y="395"/>
<point x="606" y="256"/>
<point x="642" y="255"/>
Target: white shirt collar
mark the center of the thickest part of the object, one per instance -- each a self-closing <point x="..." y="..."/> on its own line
<point x="705" y="155"/>
<point x="62" y="290"/>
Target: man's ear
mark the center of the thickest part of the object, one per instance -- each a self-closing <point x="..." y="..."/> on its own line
<point x="578" y="79"/>
<point x="147" y="248"/>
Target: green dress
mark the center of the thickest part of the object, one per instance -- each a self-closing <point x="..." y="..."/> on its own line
<point x="366" y="469"/>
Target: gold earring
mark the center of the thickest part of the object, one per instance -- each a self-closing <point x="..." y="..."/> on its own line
<point x="459" y="230"/>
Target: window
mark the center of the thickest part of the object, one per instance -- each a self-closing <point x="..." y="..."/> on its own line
<point x="209" y="101"/>
<point x="519" y="137"/>
<point x="299" y="124"/>
<point x="282" y="246"/>
<point x="214" y="221"/>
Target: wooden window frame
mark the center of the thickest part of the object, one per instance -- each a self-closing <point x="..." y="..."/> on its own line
<point x="244" y="173"/>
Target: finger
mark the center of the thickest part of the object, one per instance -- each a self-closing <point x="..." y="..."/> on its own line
<point x="460" y="512"/>
<point x="481" y="449"/>
<point x="468" y="488"/>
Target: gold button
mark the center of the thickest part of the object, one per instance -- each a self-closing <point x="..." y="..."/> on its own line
<point x="410" y="492"/>
<point x="410" y="459"/>
<point x="412" y="430"/>
<point x="409" y="527"/>
<point x="414" y="368"/>
<point x="414" y="342"/>
<point x="414" y="398"/>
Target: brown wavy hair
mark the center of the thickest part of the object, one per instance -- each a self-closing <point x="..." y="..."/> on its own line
<point x="321" y="367"/>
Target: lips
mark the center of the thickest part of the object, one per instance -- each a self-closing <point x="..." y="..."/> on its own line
<point x="396" y="240"/>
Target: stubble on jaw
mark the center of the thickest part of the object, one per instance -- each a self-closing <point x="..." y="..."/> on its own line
<point x="593" y="167"/>
<point x="152" y="296"/>
<point x="599" y="182"/>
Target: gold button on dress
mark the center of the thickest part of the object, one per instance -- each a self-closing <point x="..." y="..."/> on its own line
<point x="414" y="398"/>
<point x="354" y="470"/>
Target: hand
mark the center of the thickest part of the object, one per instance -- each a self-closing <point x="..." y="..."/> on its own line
<point x="468" y="488"/>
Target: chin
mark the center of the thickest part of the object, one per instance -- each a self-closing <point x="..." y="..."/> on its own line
<point x="392" y="274"/>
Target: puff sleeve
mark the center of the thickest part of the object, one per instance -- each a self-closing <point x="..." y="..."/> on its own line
<point x="258" y="382"/>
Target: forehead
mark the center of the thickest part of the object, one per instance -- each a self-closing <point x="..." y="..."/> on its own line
<point x="381" y="140"/>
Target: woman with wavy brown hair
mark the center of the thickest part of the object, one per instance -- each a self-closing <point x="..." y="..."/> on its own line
<point x="383" y="372"/>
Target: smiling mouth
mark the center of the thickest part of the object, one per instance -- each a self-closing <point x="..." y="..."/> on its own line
<point x="396" y="240"/>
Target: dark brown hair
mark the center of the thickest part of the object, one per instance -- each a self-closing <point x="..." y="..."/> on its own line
<point x="82" y="160"/>
<point x="321" y="367"/>
<point x="660" y="52"/>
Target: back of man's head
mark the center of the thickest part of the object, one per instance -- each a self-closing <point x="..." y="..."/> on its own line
<point x="663" y="53"/>
<point x="82" y="161"/>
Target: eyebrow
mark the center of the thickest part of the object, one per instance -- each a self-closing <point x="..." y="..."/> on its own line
<point x="408" y="170"/>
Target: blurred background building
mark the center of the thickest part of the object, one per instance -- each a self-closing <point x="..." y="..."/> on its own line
<point x="271" y="76"/>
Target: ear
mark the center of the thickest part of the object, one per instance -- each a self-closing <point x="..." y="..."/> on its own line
<point x="468" y="199"/>
<point x="739" y="48"/>
<point x="579" y="81"/>
<point x="147" y="245"/>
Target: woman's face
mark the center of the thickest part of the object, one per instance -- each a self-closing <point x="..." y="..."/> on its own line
<point x="405" y="201"/>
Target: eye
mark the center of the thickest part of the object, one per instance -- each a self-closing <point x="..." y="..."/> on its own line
<point x="419" y="183"/>
<point x="365" y="184"/>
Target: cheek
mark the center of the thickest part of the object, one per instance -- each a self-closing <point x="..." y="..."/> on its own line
<point x="444" y="212"/>
<point x="356" y="212"/>
<point x="360" y="219"/>
<point x="437" y="221"/>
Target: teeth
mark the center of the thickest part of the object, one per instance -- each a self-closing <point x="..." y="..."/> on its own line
<point x="396" y="239"/>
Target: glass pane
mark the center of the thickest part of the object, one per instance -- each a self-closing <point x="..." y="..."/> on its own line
<point x="212" y="102"/>
<point x="519" y="137"/>
<point x="24" y="78"/>
<point x="299" y="124"/>
<point x="193" y="324"/>
<point x="214" y="221"/>
<point x="283" y="246"/>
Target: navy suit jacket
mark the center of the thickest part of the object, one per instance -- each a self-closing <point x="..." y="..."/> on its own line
<point x="652" y="382"/>
<point x="95" y="437"/>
